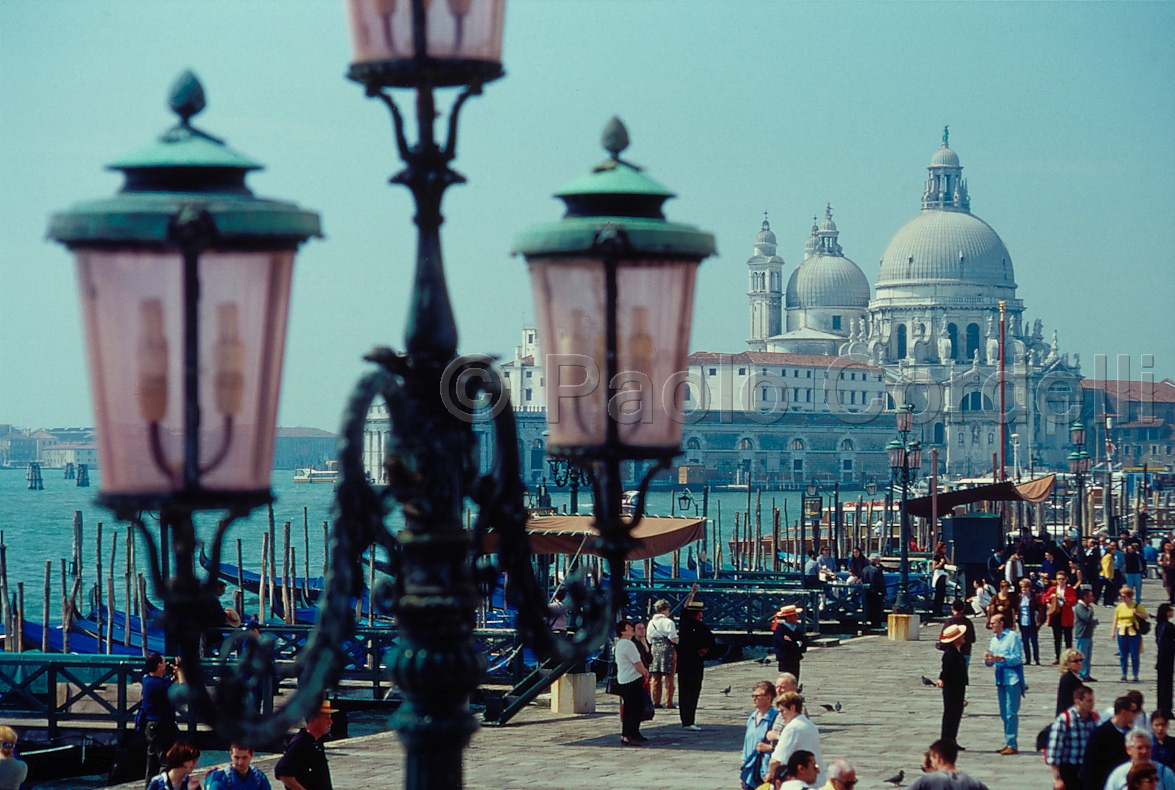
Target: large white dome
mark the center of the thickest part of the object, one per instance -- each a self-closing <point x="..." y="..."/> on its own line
<point x="942" y="245"/>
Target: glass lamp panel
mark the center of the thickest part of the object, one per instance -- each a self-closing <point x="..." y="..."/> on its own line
<point x="897" y="456"/>
<point x="914" y="457"/>
<point x="905" y="419"/>
<point x="570" y="318"/>
<point x="653" y="314"/>
<point x="244" y="304"/>
<point x="456" y="29"/>
<point x="132" y="304"/>
<point x="1077" y="435"/>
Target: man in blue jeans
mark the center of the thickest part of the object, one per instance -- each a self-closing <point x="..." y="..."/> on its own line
<point x="1084" y="622"/>
<point x="1006" y="654"/>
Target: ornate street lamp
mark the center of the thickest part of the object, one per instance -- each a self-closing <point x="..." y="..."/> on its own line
<point x="686" y="500"/>
<point x="613" y="285"/>
<point x="905" y="458"/>
<point x="1078" y="467"/>
<point x="618" y="299"/>
<point x="565" y="473"/>
<point x="185" y="286"/>
<point x="812" y="506"/>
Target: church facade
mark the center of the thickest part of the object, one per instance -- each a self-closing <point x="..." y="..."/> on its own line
<point x="829" y="356"/>
<point x="945" y="288"/>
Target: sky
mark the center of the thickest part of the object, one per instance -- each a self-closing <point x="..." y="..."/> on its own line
<point x="1063" y="116"/>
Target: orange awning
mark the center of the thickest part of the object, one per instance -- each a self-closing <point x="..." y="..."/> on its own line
<point x="567" y="534"/>
<point x="1033" y="491"/>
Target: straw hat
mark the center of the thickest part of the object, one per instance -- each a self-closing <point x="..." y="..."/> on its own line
<point x="327" y="707"/>
<point x="695" y="606"/>
<point x="952" y="633"/>
<point x="789" y="610"/>
<point x="232" y="618"/>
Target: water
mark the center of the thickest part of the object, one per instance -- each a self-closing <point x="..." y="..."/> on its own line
<point x="37" y="526"/>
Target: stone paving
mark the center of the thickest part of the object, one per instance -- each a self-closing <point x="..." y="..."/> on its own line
<point x="887" y="720"/>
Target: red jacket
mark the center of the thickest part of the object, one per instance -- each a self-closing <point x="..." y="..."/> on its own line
<point x="1067" y="601"/>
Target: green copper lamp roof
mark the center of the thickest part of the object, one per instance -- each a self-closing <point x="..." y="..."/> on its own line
<point x="615" y="195"/>
<point x="184" y="169"/>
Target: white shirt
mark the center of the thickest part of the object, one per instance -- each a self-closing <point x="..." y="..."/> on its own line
<point x="1117" y="778"/>
<point x="799" y="733"/>
<point x="627" y="660"/>
<point x="795" y="784"/>
<point x="661" y="627"/>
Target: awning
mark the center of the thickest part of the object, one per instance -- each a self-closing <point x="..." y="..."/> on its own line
<point x="566" y="535"/>
<point x="1033" y="491"/>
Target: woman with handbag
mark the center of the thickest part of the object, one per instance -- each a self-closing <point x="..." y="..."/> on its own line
<point x="1130" y="623"/>
<point x="630" y="677"/>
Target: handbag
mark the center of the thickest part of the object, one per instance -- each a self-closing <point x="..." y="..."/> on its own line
<point x="612" y="685"/>
<point x="1142" y="626"/>
<point x="647" y="711"/>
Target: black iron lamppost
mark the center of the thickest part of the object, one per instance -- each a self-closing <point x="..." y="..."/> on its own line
<point x="905" y="458"/>
<point x="583" y="271"/>
<point x="812" y="506"/>
<point x="686" y="500"/>
<point x="185" y="284"/>
<point x="565" y="473"/>
<point x="1079" y="463"/>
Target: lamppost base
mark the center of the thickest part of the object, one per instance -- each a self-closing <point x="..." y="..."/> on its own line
<point x="903" y="627"/>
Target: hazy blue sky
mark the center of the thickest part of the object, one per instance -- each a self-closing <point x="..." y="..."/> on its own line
<point x="1063" y="115"/>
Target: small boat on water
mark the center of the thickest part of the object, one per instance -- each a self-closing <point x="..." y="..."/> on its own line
<point x="312" y="475"/>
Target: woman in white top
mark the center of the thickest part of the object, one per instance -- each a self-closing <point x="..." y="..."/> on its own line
<point x="630" y="676"/>
<point x="662" y="635"/>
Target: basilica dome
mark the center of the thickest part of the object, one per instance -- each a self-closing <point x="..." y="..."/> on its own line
<point x="826" y="278"/>
<point x="827" y="281"/>
<point x="946" y="244"/>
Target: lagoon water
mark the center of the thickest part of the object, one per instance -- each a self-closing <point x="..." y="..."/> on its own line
<point x="37" y="526"/>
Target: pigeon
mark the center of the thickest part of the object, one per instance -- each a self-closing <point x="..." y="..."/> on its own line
<point x="765" y="660"/>
<point x="897" y="779"/>
<point x="837" y="706"/>
<point x="927" y="681"/>
<point x="726" y="691"/>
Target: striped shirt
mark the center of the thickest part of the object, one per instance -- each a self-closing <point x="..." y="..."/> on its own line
<point x="1068" y="736"/>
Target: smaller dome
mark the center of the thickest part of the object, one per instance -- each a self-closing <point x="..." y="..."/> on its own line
<point x="944" y="157"/>
<point x="828" y="225"/>
<point x="765" y="235"/>
<point x="827" y="281"/>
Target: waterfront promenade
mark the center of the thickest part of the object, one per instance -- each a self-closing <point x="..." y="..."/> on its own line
<point x="888" y="718"/>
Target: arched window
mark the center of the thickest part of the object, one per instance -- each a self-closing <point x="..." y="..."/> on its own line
<point x="972" y="340"/>
<point x="901" y="341"/>
<point x="797" y="444"/>
<point x="939" y="433"/>
<point x="846" y="446"/>
<point x="693" y="443"/>
<point x="537" y="455"/>
<point x="745" y="444"/>
<point x="953" y="334"/>
<point x="991" y="437"/>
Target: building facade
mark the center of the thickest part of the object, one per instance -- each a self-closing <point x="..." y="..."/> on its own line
<point x="829" y="357"/>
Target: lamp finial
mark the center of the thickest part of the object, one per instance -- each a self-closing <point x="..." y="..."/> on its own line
<point x="615" y="137"/>
<point x="186" y="97"/>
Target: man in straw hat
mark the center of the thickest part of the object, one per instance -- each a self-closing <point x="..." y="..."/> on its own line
<point x="789" y="641"/>
<point x="304" y="766"/>
<point x="695" y="641"/>
<point x="952" y="680"/>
